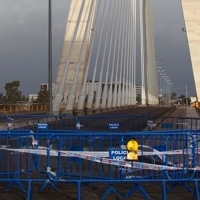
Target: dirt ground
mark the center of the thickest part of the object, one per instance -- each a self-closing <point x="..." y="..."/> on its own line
<point x="68" y="191"/>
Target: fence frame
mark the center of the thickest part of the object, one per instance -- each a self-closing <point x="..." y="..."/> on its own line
<point x="137" y="182"/>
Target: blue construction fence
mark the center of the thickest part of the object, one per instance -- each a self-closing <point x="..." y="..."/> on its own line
<point x="111" y="123"/>
<point x="80" y="157"/>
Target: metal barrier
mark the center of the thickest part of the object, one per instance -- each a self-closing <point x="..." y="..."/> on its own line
<point x="101" y="157"/>
<point x="30" y="122"/>
<point x="125" y="123"/>
<point x="23" y="108"/>
<point x="110" y="123"/>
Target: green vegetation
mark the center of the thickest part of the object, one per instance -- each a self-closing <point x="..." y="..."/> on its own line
<point x="13" y="94"/>
<point x="42" y="97"/>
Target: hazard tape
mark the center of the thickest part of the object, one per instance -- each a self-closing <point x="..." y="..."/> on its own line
<point x="130" y="164"/>
<point x="100" y="157"/>
<point x="42" y="151"/>
<point x="123" y="163"/>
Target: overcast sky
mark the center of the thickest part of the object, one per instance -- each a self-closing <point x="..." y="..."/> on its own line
<point x="24" y="42"/>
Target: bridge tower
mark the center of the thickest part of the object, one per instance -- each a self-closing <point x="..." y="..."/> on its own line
<point x="191" y="13"/>
<point x="118" y="89"/>
<point x="148" y="72"/>
<point x="74" y="56"/>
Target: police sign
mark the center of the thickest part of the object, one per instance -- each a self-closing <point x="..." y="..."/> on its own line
<point x="114" y="126"/>
<point x="117" y="154"/>
<point x="42" y="126"/>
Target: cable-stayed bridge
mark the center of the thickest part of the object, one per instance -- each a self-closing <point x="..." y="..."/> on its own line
<point x="98" y="67"/>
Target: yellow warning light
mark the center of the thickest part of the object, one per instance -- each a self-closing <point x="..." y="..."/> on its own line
<point x="132" y="147"/>
<point x="131" y="156"/>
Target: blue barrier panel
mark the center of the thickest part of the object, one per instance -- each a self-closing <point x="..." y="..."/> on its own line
<point x="54" y="122"/>
<point x="137" y="123"/>
<point x="112" y="123"/>
<point x="79" y="156"/>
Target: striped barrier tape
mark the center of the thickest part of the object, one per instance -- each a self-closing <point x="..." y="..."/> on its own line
<point x="100" y="157"/>
<point x="42" y="151"/>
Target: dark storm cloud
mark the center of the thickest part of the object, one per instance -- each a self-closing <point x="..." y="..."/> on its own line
<point x="172" y="46"/>
<point x="24" y="41"/>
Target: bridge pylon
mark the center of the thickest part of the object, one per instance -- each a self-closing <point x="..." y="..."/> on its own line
<point x="97" y="69"/>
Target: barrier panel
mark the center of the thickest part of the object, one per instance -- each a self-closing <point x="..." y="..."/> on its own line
<point x="124" y="123"/>
<point x="77" y="156"/>
<point x="109" y="123"/>
<point x="30" y="122"/>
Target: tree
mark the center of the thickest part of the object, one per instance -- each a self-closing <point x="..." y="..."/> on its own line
<point x="188" y="101"/>
<point x="173" y="95"/>
<point x="138" y="99"/>
<point x="42" y="97"/>
<point x="24" y="98"/>
<point x="12" y="93"/>
<point x="1" y="98"/>
<point x="182" y="96"/>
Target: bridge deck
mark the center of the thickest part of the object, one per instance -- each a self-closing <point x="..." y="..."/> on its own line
<point x="186" y="118"/>
<point x="188" y="112"/>
<point x="91" y="190"/>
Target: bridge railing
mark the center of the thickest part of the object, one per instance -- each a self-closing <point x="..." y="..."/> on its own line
<point x="125" y="123"/>
<point x="196" y="104"/>
<point x="109" y="123"/>
<point x="30" y="122"/>
<point x="79" y="156"/>
<point x="22" y="108"/>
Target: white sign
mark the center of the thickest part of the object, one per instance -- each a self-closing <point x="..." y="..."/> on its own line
<point x="114" y="126"/>
<point x="118" y="154"/>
